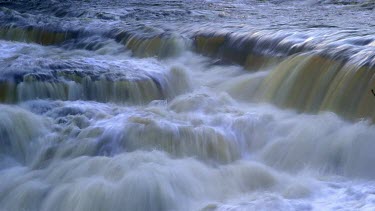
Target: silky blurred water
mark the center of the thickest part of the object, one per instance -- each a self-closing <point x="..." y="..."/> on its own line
<point x="187" y="105"/>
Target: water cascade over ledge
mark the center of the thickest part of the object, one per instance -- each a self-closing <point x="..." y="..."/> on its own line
<point x="187" y="105"/>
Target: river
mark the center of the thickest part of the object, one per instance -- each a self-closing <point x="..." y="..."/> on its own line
<point x="187" y="105"/>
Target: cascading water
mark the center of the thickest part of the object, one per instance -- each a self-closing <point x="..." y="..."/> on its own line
<point x="187" y="105"/>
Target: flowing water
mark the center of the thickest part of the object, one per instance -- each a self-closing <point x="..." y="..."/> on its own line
<point x="187" y="105"/>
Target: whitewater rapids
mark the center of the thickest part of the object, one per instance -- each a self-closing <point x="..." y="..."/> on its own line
<point x="156" y="106"/>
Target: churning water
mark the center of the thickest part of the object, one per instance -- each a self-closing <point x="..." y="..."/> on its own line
<point x="187" y="105"/>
